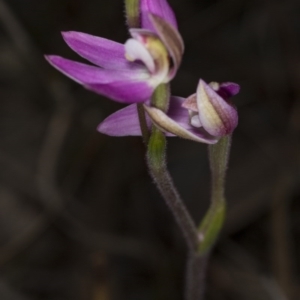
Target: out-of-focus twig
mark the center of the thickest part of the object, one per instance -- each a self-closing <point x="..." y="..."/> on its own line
<point x="61" y="119"/>
<point x="283" y="259"/>
<point x="23" y="239"/>
<point x="51" y="149"/>
<point x="74" y="228"/>
<point x="7" y="292"/>
<point x="281" y="237"/>
<point x="25" y="46"/>
<point x="274" y="291"/>
<point x="236" y="268"/>
<point x="16" y="33"/>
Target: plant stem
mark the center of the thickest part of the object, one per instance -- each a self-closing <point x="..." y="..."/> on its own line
<point x="213" y="221"/>
<point x="161" y="97"/>
<point x="195" y="278"/>
<point x="158" y="169"/>
<point x="161" y="176"/>
<point x="218" y="158"/>
<point x="143" y="123"/>
<point x="132" y="13"/>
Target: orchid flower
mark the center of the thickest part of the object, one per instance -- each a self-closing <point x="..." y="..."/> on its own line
<point x="203" y="117"/>
<point x="127" y="73"/>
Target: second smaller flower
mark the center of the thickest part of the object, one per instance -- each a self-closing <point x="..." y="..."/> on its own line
<point x="203" y="117"/>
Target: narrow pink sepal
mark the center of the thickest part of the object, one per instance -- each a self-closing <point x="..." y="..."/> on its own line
<point x="160" y="8"/>
<point x="124" y="91"/>
<point x="87" y="74"/>
<point x="100" y="51"/>
<point x="123" y="122"/>
<point x="125" y="86"/>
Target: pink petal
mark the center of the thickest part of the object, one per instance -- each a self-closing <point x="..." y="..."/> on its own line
<point x="160" y="8"/>
<point x="124" y="91"/>
<point x="102" y="52"/>
<point x="125" y="86"/>
<point x="123" y="122"/>
<point x="86" y="74"/>
<point x="135" y="50"/>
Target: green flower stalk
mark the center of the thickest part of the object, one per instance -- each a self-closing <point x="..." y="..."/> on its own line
<point x="212" y="223"/>
<point x="214" y="218"/>
<point x="132" y="12"/>
<point x="156" y="158"/>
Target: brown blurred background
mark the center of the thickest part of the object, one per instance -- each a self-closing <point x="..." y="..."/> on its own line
<point x="80" y="217"/>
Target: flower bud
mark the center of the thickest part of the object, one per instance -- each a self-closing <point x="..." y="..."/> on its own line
<point x="216" y="114"/>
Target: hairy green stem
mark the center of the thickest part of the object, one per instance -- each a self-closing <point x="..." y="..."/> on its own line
<point x="161" y="97"/>
<point x="143" y="123"/>
<point x="195" y="278"/>
<point x="163" y="180"/>
<point x="218" y="157"/>
<point x="132" y="13"/>
<point x="213" y="221"/>
<point x="158" y="169"/>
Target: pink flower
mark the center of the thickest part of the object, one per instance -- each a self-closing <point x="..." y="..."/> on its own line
<point x="127" y="73"/>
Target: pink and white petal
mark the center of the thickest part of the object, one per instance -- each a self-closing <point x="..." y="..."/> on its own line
<point x="135" y="50"/>
<point x="190" y="103"/>
<point x="86" y="74"/>
<point x="177" y="122"/>
<point x="79" y="72"/>
<point x="217" y="116"/>
<point x="160" y="8"/>
<point x="124" y="91"/>
<point x="123" y="122"/>
<point x="100" y="51"/>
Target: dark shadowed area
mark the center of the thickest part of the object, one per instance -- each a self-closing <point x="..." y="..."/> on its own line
<point x="80" y="217"/>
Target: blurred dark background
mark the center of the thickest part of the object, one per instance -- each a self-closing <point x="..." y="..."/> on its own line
<point x="79" y="215"/>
